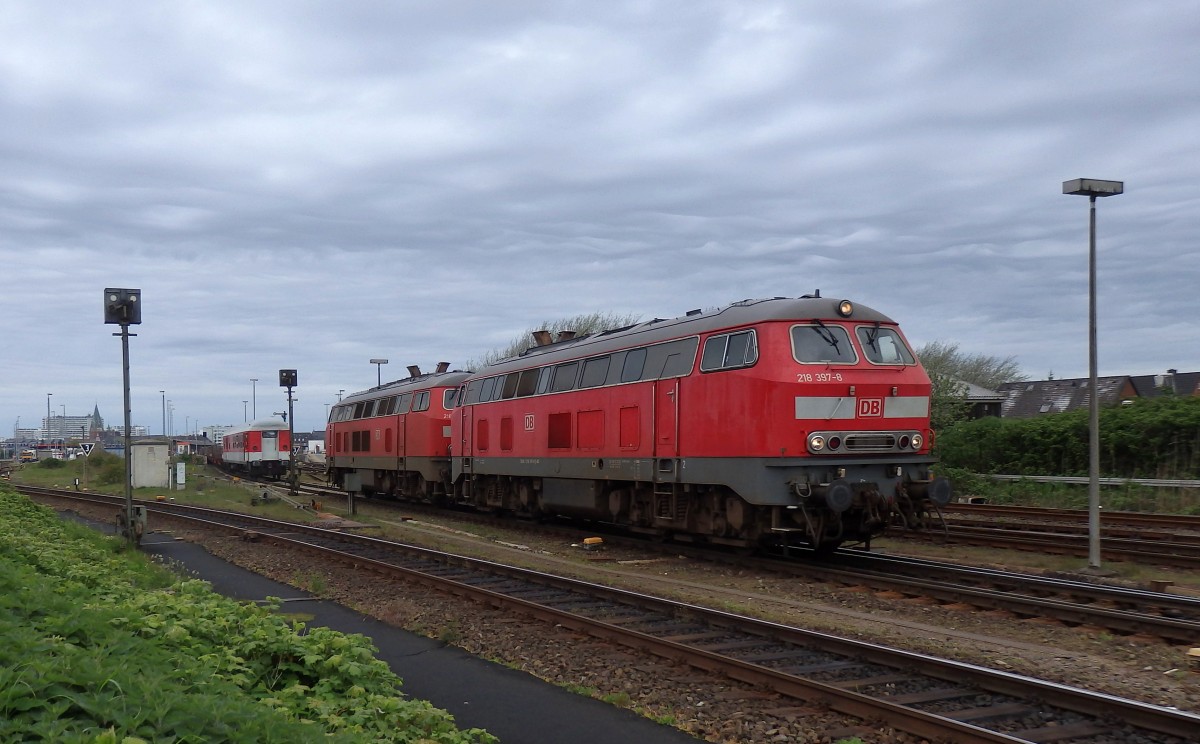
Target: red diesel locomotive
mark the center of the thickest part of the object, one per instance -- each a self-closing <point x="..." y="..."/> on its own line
<point x="262" y="447"/>
<point x="778" y="422"/>
<point x="395" y="439"/>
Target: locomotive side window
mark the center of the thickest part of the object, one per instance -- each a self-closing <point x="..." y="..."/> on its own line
<point x="543" y="383"/>
<point x="883" y="346"/>
<point x="449" y="397"/>
<point x="527" y="383"/>
<point x="635" y="362"/>
<point x="594" y="372"/>
<point x="485" y="393"/>
<point x="510" y="386"/>
<point x="672" y="359"/>
<point x="564" y="377"/>
<point x="818" y="343"/>
<point x="473" y="390"/>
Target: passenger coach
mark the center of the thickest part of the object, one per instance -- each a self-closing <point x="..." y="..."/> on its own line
<point x="780" y="421"/>
<point x="261" y="447"/>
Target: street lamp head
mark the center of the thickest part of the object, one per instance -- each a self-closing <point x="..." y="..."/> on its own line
<point x="379" y="361"/>
<point x="1093" y="187"/>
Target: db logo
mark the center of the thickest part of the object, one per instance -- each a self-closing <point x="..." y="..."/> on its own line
<point x="870" y="407"/>
<point x="529" y="422"/>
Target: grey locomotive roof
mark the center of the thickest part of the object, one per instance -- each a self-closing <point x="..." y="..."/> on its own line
<point x="408" y="384"/>
<point x="736" y="315"/>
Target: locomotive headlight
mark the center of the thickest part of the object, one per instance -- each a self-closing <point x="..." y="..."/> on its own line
<point x="845" y="308"/>
<point x="816" y="443"/>
<point x="835" y="442"/>
<point x="917" y="441"/>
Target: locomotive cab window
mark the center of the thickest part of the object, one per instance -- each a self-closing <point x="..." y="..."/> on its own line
<point x="883" y="346"/>
<point x="729" y="351"/>
<point x="448" y="398"/>
<point x="818" y="343"/>
<point x="421" y="401"/>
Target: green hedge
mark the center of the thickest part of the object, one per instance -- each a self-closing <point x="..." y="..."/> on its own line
<point x="1149" y="438"/>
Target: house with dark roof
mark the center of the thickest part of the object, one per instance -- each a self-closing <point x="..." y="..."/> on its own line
<point x="1028" y="399"/>
<point x="1171" y="383"/>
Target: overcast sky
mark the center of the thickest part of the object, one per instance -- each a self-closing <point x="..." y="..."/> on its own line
<point x="310" y="185"/>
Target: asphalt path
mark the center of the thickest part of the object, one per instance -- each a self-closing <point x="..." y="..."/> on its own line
<point x="510" y="704"/>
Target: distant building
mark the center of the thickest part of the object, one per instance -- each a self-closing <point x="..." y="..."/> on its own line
<point x="217" y="431"/>
<point x="71" y="427"/>
<point x="984" y="402"/>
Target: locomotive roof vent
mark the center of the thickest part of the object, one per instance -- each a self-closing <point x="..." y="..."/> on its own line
<point x="566" y="335"/>
<point x="413" y="370"/>
<point x="541" y="338"/>
<point x="697" y="311"/>
<point x="442" y="367"/>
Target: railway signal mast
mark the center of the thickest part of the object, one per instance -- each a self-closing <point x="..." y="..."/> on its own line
<point x="287" y="379"/>
<point x="123" y="307"/>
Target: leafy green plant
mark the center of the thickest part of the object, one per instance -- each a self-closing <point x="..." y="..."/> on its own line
<point x="101" y="644"/>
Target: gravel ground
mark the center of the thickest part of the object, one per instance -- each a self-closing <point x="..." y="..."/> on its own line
<point x="710" y="708"/>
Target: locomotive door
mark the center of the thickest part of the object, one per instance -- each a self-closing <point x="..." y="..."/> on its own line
<point x="666" y="419"/>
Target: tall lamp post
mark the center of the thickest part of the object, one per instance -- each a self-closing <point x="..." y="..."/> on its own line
<point x="253" y="399"/>
<point x="1092" y="189"/>
<point x="244" y="419"/>
<point x="163" y="393"/>
<point x="123" y="307"/>
<point x="48" y="417"/>
<point x="379" y="370"/>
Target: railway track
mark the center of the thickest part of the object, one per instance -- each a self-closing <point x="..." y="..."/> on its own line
<point x="1120" y="610"/>
<point x="915" y="693"/>
<point x="1159" y="539"/>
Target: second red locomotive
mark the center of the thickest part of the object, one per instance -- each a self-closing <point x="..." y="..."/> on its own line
<point x="778" y="421"/>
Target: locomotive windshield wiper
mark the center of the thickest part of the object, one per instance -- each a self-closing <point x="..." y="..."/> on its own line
<point x="872" y="335"/>
<point x="824" y="332"/>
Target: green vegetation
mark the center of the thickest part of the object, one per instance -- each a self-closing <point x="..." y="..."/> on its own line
<point x="103" y="472"/>
<point x="1146" y="438"/>
<point x="101" y="645"/>
<point x="580" y="324"/>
